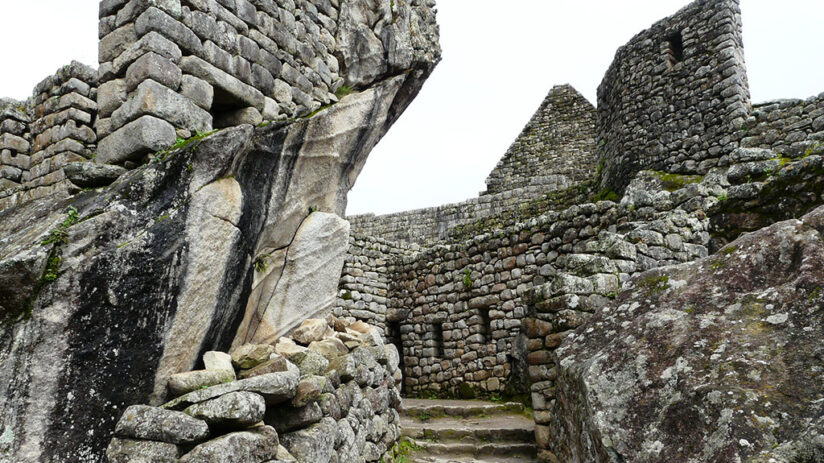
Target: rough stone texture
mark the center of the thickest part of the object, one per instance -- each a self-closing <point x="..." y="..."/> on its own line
<point x="329" y="415"/>
<point x="92" y="175"/>
<point x="716" y="360"/>
<point x="241" y="60"/>
<point x="183" y="383"/>
<point x="130" y="450"/>
<point x="235" y="409"/>
<point x="253" y="446"/>
<point x="179" y="221"/>
<point x="150" y="423"/>
<point x="556" y="148"/>
<point x="648" y="116"/>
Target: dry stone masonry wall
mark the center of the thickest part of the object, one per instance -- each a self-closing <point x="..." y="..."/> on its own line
<point x="458" y="310"/>
<point x="49" y="131"/>
<point x="557" y="146"/>
<point x="176" y="67"/>
<point x="676" y="95"/>
<point x="788" y="127"/>
<point x="327" y="393"/>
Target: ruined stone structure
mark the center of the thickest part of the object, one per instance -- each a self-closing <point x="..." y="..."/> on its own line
<point x="628" y="304"/>
<point x="134" y="239"/>
<point x="479" y="295"/>
<point x="676" y="96"/>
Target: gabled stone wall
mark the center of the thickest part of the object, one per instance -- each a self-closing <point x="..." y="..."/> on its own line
<point x="557" y="146"/>
<point x="675" y="96"/>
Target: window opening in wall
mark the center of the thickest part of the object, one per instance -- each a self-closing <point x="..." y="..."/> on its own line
<point x="674" y="49"/>
<point x="486" y="328"/>
<point x="437" y="336"/>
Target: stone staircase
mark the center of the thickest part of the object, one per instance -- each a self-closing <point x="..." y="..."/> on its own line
<point x="457" y="431"/>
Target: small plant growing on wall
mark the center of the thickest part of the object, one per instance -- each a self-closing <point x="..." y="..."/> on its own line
<point x="467" y="279"/>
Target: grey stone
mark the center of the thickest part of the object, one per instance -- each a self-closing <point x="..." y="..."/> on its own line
<point x="310" y="363"/>
<point x="238" y="117"/>
<point x="155" y="67"/>
<point x="309" y="390"/>
<point x="152" y="42"/>
<point x="154" y="99"/>
<point x="151" y="423"/>
<point x="110" y="96"/>
<point x="92" y="175"/>
<point x="249" y="356"/>
<point x="215" y="360"/>
<point x="275" y="364"/>
<point x="274" y="387"/>
<point x="252" y="446"/>
<point x="130" y="451"/>
<point x="286" y="419"/>
<point x="112" y="45"/>
<point x="145" y="135"/>
<point x="199" y="91"/>
<point x="233" y="410"/>
<point x="183" y="383"/>
<point x="153" y="19"/>
<point x="231" y="90"/>
<point x="315" y="443"/>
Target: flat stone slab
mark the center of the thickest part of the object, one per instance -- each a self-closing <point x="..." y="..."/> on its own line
<point x="274" y="387"/>
<point x="152" y="423"/>
<point x="91" y="174"/>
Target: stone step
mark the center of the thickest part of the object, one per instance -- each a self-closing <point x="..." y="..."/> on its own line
<point x="425" y="409"/>
<point x="432" y="459"/>
<point x="497" y="428"/>
<point x="491" y="452"/>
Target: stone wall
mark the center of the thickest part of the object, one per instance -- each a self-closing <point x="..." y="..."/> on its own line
<point x="327" y="393"/>
<point x="458" y="310"/>
<point x="41" y="136"/>
<point x="366" y="280"/>
<point x="557" y="146"/>
<point x="172" y="68"/>
<point x="789" y="127"/>
<point x="426" y="225"/>
<point x="676" y="95"/>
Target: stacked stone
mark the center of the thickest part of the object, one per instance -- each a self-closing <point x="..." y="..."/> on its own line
<point x="174" y="68"/>
<point x="555" y="149"/>
<point x="461" y="307"/>
<point x="169" y="68"/>
<point x="14" y="144"/>
<point x="327" y="393"/>
<point x="676" y="95"/>
<point x="64" y="109"/>
<point x="758" y="184"/>
<point x="788" y="127"/>
<point x="363" y="292"/>
<point x="425" y="226"/>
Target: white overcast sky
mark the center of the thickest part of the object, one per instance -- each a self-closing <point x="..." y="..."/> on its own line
<point x="500" y="58"/>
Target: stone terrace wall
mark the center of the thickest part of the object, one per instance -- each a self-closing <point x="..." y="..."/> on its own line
<point x="675" y="96"/>
<point x="173" y="67"/>
<point x="789" y="127"/>
<point x="424" y="226"/>
<point x="50" y="130"/>
<point x="559" y="141"/>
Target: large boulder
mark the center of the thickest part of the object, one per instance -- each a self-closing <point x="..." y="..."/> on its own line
<point x="165" y="264"/>
<point x="718" y="360"/>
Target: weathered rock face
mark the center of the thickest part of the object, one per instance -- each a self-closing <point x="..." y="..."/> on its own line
<point x="139" y="279"/>
<point x="718" y="360"/>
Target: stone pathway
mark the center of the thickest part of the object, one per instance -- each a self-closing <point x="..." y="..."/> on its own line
<point x="456" y="431"/>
